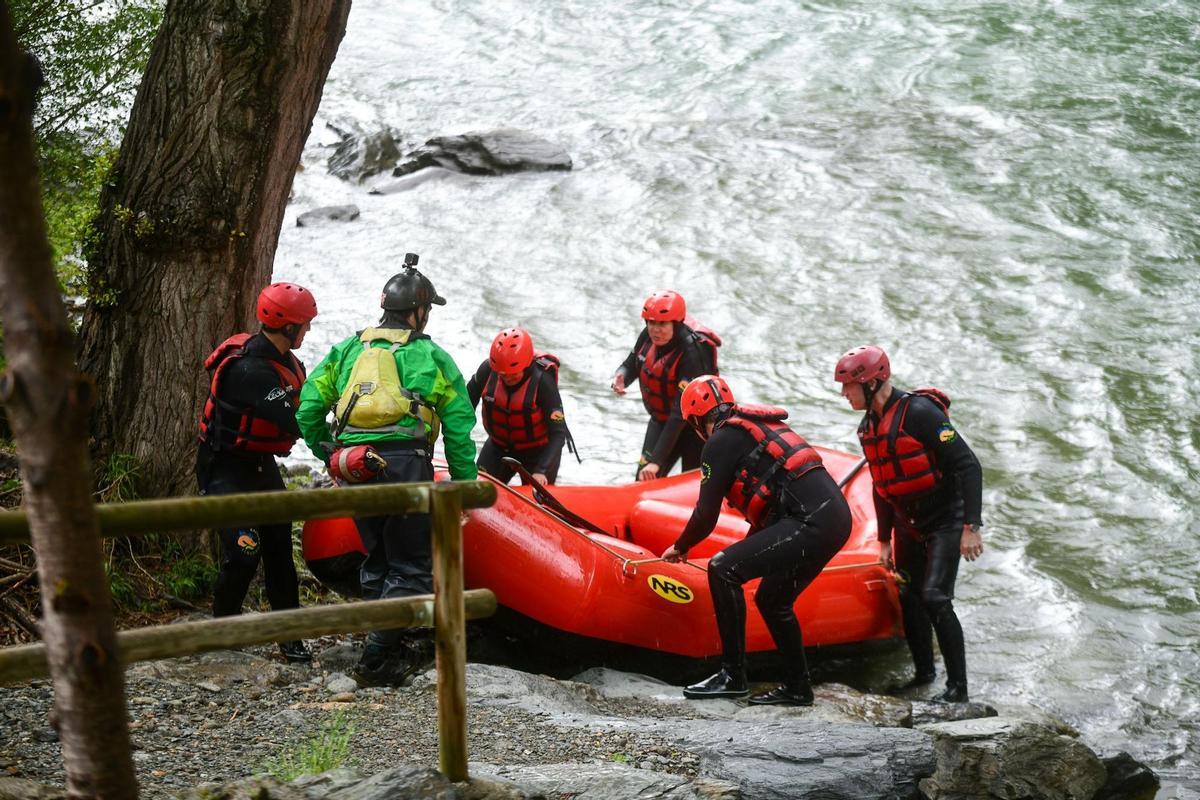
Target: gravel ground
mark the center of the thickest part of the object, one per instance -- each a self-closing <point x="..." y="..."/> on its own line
<point x="192" y="722"/>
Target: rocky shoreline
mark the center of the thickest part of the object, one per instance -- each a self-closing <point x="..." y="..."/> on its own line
<point x="204" y="725"/>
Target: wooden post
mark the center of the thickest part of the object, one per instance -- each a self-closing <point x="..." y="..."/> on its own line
<point x="188" y="638"/>
<point x="450" y="630"/>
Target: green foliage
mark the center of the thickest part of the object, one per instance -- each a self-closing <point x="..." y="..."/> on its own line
<point x="119" y="479"/>
<point x="189" y="576"/>
<point x="92" y="54"/>
<point x="319" y="753"/>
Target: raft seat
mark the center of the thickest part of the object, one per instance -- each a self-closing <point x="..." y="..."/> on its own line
<point x="655" y="525"/>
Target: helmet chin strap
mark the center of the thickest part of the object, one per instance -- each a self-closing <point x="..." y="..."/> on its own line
<point x="870" y="389"/>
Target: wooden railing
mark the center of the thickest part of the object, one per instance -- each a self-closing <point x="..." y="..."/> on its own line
<point x="446" y="610"/>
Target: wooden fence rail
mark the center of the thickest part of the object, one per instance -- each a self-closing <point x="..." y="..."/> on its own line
<point x="258" y="508"/>
<point x="447" y="610"/>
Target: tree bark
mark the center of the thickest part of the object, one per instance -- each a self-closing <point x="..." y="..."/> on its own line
<point x="190" y="218"/>
<point x="48" y="400"/>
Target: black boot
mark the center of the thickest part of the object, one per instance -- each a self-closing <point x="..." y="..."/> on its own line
<point x="726" y="683"/>
<point x="955" y="693"/>
<point x="383" y="666"/>
<point x="784" y="695"/>
<point x="295" y="652"/>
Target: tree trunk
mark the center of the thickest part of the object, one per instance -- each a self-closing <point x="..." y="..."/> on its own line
<point x="190" y="218"/>
<point x="48" y="400"/>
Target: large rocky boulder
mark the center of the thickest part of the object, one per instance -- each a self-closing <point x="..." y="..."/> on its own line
<point x="362" y="154"/>
<point x="498" y="152"/>
<point x="608" y="782"/>
<point x="1013" y="759"/>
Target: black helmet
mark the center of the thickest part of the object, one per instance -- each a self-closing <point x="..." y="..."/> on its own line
<point x="409" y="289"/>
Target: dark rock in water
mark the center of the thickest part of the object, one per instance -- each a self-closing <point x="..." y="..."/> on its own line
<point x="1128" y="779"/>
<point x="327" y="213"/>
<point x="360" y="155"/>
<point x="498" y="152"/>
<point x="1013" y="758"/>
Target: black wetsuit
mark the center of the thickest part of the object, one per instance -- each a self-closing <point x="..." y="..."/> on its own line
<point x="928" y="535"/>
<point x="250" y="382"/>
<point x="671" y="440"/>
<point x="808" y="525"/>
<point x="543" y="460"/>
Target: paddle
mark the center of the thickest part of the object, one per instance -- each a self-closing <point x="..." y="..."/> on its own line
<point x="543" y="496"/>
<point x="850" y="475"/>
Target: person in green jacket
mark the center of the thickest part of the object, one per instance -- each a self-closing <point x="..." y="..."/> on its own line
<point x="398" y="413"/>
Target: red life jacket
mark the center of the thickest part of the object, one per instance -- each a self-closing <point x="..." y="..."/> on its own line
<point x="222" y="422"/>
<point x="658" y="374"/>
<point x="512" y="416"/>
<point x="781" y="455"/>
<point x="901" y="467"/>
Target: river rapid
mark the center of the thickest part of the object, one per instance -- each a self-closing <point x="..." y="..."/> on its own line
<point x="1002" y="195"/>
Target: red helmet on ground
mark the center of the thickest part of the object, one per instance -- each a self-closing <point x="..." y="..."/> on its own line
<point x="285" y="304"/>
<point x="863" y="365"/>
<point x="702" y="395"/>
<point x="664" y="307"/>
<point x="512" y="351"/>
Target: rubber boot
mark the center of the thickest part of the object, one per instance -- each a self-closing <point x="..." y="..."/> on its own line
<point x="295" y="652"/>
<point x="785" y="695"/>
<point x="954" y="654"/>
<point x="728" y="682"/>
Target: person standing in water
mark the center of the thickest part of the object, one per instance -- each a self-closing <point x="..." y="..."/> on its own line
<point x="928" y="497"/>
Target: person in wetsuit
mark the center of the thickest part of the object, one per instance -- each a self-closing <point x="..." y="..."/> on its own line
<point x="929" y="494"/>
<point x="668" y="353"/>
<point x="798" y="521"/>
<point x="248" y="419"/>
<point x="522" y="409"/>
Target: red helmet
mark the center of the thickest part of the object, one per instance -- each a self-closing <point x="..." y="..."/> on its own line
<point x="863" y="365"/>
<point x="285" y="304"/>
<point x="702" y="395"/>
<point x="512" y="351"/>
<point x="665" y="306"/>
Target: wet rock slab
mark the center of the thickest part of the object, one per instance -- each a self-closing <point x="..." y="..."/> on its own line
<point x="1004" y="757"/>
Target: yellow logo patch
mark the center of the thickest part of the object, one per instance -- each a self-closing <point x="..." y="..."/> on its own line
<point x="557" y="416"/>
<point x="946" y="433"/>
<point x="670" y="589"/>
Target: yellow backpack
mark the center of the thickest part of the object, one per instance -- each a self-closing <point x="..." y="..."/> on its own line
<point x="374" y="400"/>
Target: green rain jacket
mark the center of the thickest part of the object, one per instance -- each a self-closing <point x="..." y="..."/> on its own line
<point x="424" y="368"/>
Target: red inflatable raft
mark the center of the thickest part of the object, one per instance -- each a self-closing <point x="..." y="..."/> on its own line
<point x="611" y="586"/>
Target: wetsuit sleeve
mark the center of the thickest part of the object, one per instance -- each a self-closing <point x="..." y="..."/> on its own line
<point x="550" y="402"/>
<point x="885" y="516"/>
<point x="930" y="425"/>
<point x="458" y="417"/>
<point x="691" y="365"/>
<point x="629" y="367"/>
<point x="477" y="382"/>
<point x="254" y="383"/>
<point x="317" y="396"/>
<point x="718" y="465"/>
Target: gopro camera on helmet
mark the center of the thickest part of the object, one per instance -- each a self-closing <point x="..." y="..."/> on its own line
<point x="410" y="259"/>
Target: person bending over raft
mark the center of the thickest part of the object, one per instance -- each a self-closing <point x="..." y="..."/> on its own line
<point x="929" y="489"/>
<point x="798" y="521"/>
<point x="668" y="353"/>
<point x="522" y="409"/>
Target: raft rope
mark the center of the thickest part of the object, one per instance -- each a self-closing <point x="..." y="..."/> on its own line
<point x="626" y="563"/>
